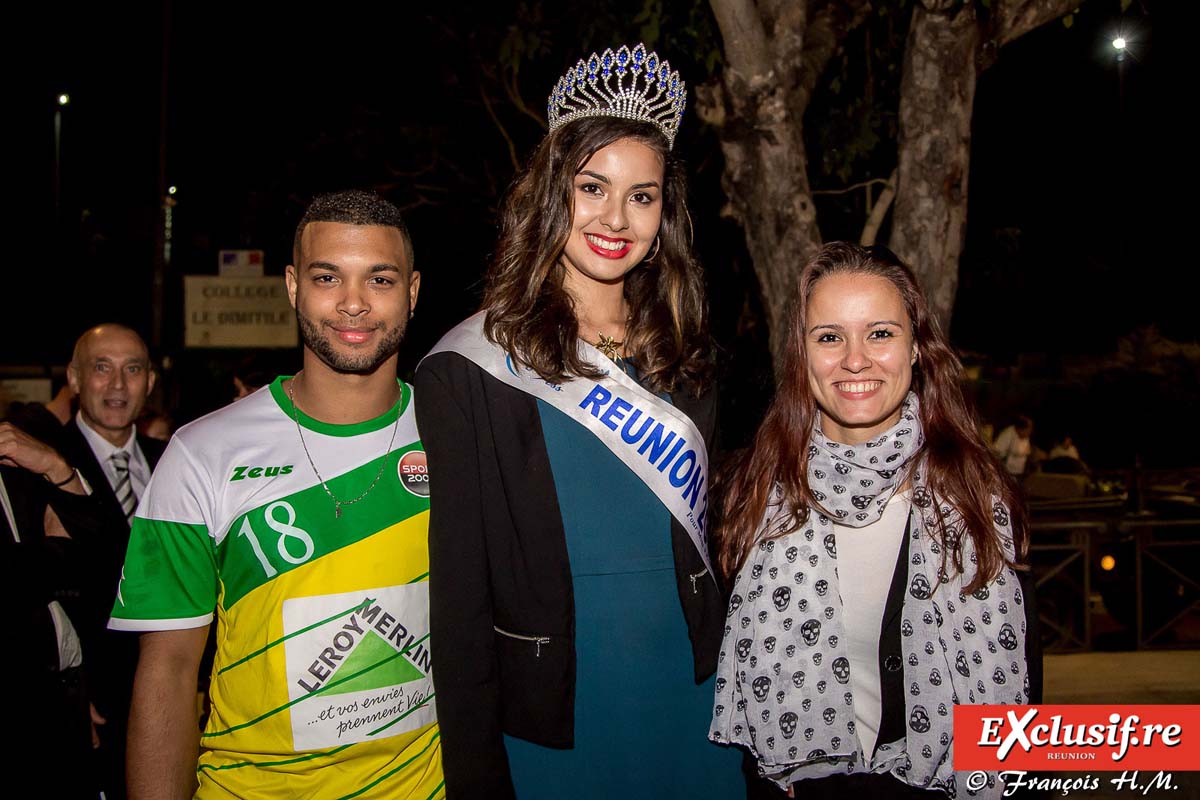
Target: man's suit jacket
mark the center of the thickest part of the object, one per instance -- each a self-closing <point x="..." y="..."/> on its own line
<point x="37" y="568"/>
<point x="110" y="657"/>
<point x="50" y="702"/>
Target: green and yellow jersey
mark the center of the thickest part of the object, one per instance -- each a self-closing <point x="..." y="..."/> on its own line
<point x="322" y="680"/>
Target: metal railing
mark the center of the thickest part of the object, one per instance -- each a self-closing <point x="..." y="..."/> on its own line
<point x="1152" y="547"/>
<point x="1073" y="549"/>
<point x="1061" y="554"/>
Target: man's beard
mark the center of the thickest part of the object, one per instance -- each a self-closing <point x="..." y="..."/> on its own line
<point x="360" y="363"/>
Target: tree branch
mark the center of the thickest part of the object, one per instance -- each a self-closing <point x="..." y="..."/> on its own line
<point x="746" y="49"/>
<point x="856" y="186"/>
<point x="878" y="212"/>
<point x="824" y="34"/>
<point x="512" y="148"/>
<point x="1015" y="18"/>
<point x="512" y="88"/>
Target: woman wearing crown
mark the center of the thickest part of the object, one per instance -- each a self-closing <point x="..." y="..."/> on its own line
<point x="576" y="614"/>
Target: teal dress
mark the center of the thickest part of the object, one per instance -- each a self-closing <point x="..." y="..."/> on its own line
<point x="641" y="722"/>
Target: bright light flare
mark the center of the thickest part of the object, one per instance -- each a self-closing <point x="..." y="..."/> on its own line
<point x="63" y="99"/>
<point x="172" y="189"/>
<point x="1119" y="43"/>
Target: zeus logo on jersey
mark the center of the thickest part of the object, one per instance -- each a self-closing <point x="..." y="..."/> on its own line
<point x="241" y="473"/>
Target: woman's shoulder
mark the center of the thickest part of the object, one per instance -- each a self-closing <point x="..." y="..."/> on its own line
<point x="698" y="402"/>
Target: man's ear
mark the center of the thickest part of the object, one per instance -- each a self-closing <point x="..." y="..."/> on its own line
<point x="289" y="278"/>
<point x="414" y="288"/>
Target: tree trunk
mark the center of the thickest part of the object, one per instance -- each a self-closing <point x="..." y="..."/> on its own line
<point x="766" y="181"/>
<point x="937" y="95"/>
<point x="775" y="51"/>
<point x="948" y="46"/>
<point x="758" y="110"/>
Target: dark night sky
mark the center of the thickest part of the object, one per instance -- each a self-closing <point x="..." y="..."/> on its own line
<point x="1066" y="245"/>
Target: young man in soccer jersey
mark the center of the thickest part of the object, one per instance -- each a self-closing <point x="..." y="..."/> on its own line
<point x="297" y="516"/>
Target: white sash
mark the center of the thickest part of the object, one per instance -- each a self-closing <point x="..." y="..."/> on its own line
<point x="653" y="438"/>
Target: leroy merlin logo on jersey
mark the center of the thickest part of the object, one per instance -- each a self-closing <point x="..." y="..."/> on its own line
<point x="358" y="665"/>
<point x="368" y="652"/>
<point x="241" y="473"/>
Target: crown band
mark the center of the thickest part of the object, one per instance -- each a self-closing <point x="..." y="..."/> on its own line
<point x="627" y="84"/>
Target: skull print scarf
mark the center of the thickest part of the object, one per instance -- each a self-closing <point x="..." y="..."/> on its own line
<point x="782" y="688"/>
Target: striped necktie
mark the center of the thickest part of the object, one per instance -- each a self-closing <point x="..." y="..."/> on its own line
<point x="124" y="486"/>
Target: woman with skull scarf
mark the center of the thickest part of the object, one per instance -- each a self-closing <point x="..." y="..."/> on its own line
<point x="875" y="543"/>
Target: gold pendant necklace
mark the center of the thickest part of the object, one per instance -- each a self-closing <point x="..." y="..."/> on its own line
<point x="609" y="346"/>
<point x="337" y="504"/>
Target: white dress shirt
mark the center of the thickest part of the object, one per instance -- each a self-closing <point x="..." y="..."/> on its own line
<point x="139" y="467"/>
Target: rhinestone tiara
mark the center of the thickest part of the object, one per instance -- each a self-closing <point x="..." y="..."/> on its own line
<point x="626" y="84"/>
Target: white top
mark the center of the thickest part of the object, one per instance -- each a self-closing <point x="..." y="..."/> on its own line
<point x="102" y="449"/>
<point x="1059" y="450"/>
<point x="1012" y="450"/>
<point x="866" y="564"/>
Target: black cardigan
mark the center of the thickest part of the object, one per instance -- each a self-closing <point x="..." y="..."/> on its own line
<point x="502" y="608"/>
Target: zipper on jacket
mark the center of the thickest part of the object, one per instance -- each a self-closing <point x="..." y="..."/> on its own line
<point x="538" y="640"/>
<point x="697" y="577"/>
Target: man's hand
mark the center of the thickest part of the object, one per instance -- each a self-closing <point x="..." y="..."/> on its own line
<point x="96" y="720"/>
<point x="19" y="449"/>
<point x="53" y="525"/>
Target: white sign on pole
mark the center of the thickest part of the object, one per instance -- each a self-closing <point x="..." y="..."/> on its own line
<point x="240" y="263"/>
<point x="237" y="312"/>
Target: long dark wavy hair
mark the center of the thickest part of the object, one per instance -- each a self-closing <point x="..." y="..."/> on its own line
<point x="961" y="471"/>
<point x="532" y="316"/>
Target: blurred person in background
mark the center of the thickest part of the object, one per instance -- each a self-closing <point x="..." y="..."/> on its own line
<point x="1014" y="445"/>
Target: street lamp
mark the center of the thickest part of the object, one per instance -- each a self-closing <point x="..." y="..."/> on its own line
<point x="168" y="222"/>
<point x="1119" y="44"/>
<point x="62" y="100"/>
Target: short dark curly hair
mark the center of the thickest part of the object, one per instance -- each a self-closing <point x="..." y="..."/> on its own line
<point x="354" y="207"/>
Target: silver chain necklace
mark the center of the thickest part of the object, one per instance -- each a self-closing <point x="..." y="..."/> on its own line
<point x="337" y="504"/>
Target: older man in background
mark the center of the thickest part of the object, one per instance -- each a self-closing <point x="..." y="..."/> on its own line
<point x="111" y="373"/>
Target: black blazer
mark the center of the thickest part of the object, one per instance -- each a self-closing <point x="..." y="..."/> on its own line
<point x="50" y="702"/>
<point x="502" y="610"/>
<point x="110" y="657"/>
<point x="37" y="569"/>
